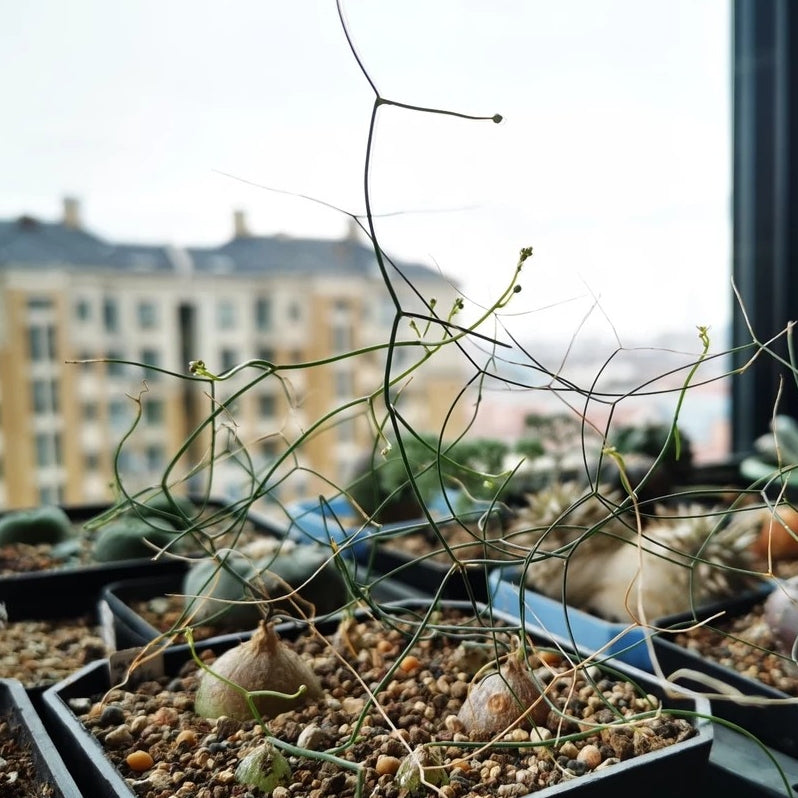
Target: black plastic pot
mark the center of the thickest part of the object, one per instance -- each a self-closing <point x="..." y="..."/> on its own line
<point x="372" y="548"/>
<point x="425" y="574"/>
<point x="658" y="773"/>
<point x="776" y="724"/>
<point x="57" y="597"/>
<point x="128" y="629"/>
<point x="56" y="586"/>
<point x="51" y="775"/>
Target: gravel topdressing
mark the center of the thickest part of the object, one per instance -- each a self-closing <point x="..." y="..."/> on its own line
<point x="164" y="750"/>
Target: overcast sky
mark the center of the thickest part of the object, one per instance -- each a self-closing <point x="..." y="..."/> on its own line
<point x="613" y="159"/>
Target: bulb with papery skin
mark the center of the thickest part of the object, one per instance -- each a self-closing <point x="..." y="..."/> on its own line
<point x="498" y="700"/>
<point x="261" y="663"/>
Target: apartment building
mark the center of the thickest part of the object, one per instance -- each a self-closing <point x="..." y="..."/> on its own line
<point x="96" y="339"/>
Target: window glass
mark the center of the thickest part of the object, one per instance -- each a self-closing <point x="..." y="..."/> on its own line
<point x="266" y="405"/>
<point x="151" y="357"/>
<point x="229" y="359"/>
<point x="111" y="314"/>
<point x="263" y="313"/>
<point x="147" y="312"/>
<point x="83" y="310"/>
<point x="153" y="411"/>
<point x="225" y="314"/>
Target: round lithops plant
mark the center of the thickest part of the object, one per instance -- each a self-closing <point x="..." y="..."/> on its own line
<point x="37" y="525"/>
<point x="130" y="538"/>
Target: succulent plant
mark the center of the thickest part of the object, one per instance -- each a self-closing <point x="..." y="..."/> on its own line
<point x="224" y="588"/>
<point x="130" y="538"/>
<point x="503" y="699"/>
<point x="38" y="525"/>
<point x="264" y="768"/>
<point x="781" y="614"/>
<point x="776" y="453"/>
<point x="175" y="510"/>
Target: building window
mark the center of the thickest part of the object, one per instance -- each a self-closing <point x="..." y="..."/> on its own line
<point x="341" y="338"/>
<point x="294" y="311"/>
<point x="155" y="458"/>
<point x="118" y="413"/>
<point x="40" y="303"/>
<point x="45" y="397"/>
<point x="41" y="342"/>
<point x="48" y="449"/>
<point x="346" y="431"/>
<point x="263" y="314"/>
<point x="268" y="449"/>
<point x="153" y="411"/>
<point x="147" y="312"/>
<point x="229" y="359"/>
<point x="267" y="405"/>
<point x="83" y="310"/>
<point x="91" y="461"/>
<point x="343" y="385"/>
<point x="151" y="358"/>
<point x="116" y="369"/>
<point x="111" y="314"/>
<point x="83" y="357"/>
<point x="225" y="315"/>
<point x="90" y="411"/>
<point x="266" y="353"/>
<point x="51" y="494"/>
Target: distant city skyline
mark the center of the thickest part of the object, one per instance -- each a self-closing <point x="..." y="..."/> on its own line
<point x="613" y="159"/>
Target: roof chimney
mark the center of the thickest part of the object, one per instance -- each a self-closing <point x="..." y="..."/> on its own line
<point x="71" y="218"/>
<point x="240" y="229"/>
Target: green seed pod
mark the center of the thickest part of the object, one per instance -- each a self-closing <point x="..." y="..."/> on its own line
<point x="127" y="538"/>
<point x="264" y="768"/>
<point x="38" y="525"/>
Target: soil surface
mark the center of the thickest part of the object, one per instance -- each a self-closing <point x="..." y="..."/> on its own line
<point x="18" y="777"/>
<point x="40" y="653"/>
<point x="744" y="644"/>
<point x="593" y="721"/>
<point x="21" y="558"/>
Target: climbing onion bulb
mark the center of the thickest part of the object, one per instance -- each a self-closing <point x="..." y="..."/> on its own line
<point x="498" y="700"/>
<point x="260" y="663"/>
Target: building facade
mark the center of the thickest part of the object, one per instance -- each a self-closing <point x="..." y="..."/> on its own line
<point x="96" y="340"/>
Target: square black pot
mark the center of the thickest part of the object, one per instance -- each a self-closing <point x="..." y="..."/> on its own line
<point x="775" y="725"/>
<point x="51" y="777"/>
<point x="128" y="629"/>
<point x="372" y="548"/>
<point x="53" y="589"/>
<point x="652" y="774"/>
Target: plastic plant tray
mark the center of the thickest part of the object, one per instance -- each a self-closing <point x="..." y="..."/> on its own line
<point x="51" y="775"/>
<point x="775" y="724"/>
<point x="42" y="586"/>
<point x="581" y="629"/>
<point x="652" y="773"/>
<point x="128" y="629"/>
<point x="370" y="546"/>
